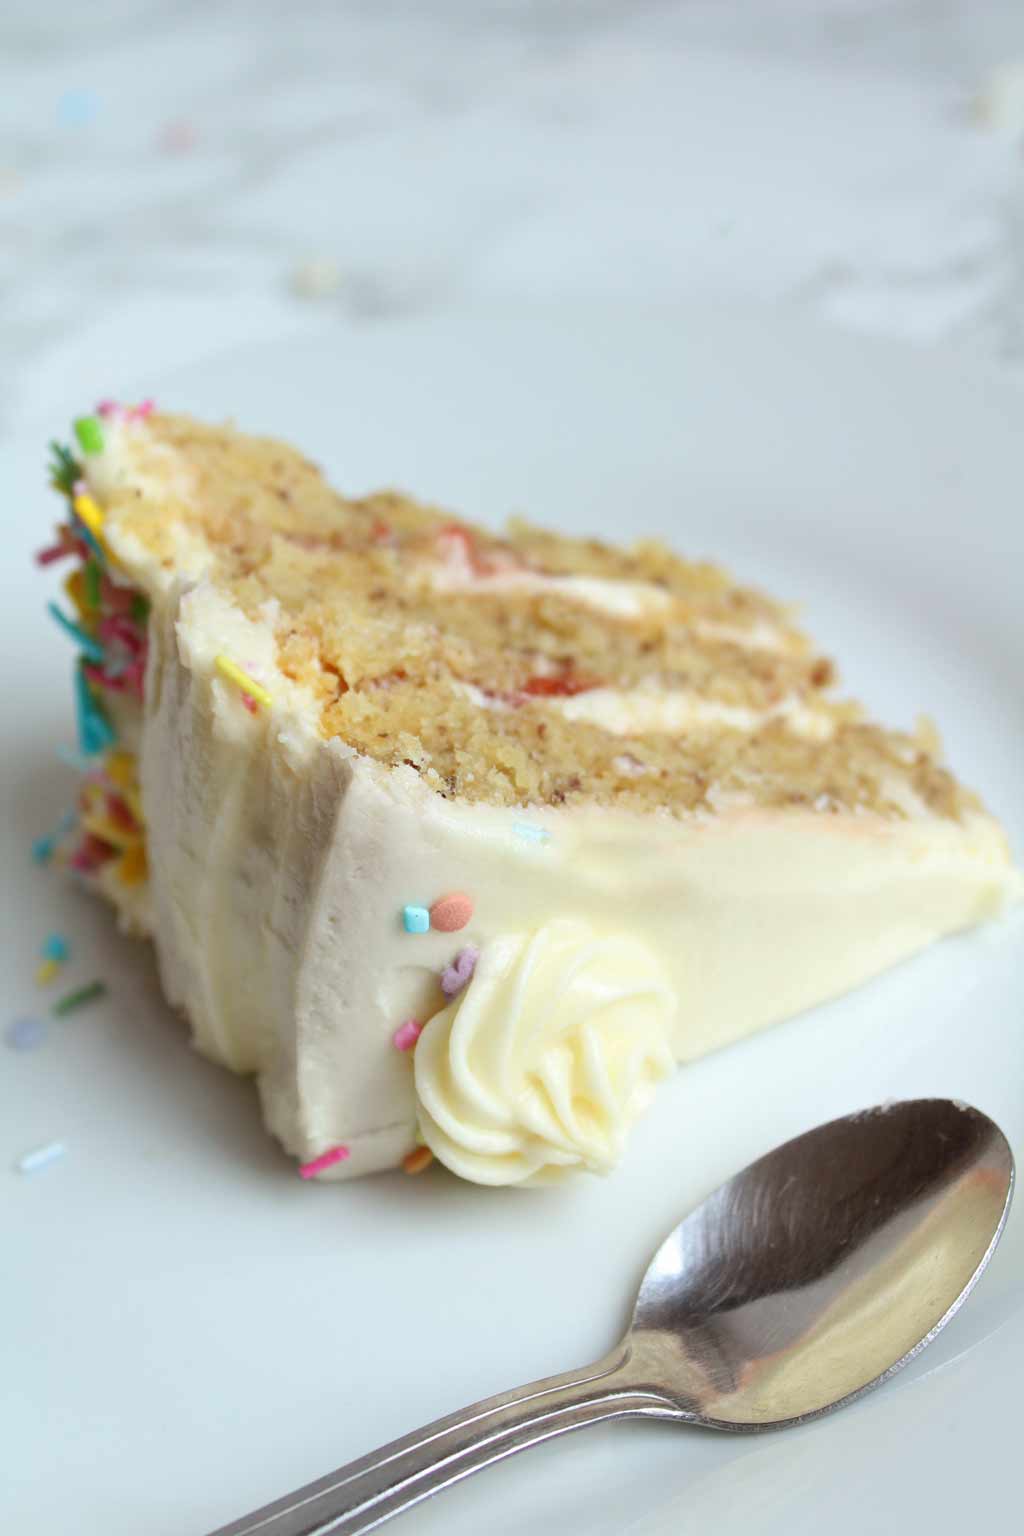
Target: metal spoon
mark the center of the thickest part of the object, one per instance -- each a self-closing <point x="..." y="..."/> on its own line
<point x="810" y="1277"/>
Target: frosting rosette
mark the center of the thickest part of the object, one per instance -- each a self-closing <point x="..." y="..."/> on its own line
<point x="548" y="1056"/>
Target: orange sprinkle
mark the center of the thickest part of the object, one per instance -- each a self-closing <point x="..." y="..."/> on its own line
<point x="416" y="1161"/>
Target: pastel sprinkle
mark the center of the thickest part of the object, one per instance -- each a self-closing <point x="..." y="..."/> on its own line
<point x="406" y="1035"/>
<point x="25" y="1034"/>
<point x="418" y="1160"/>
<point x="73" y="759"/>
<point x="32" y="1161"/>
<point x="415" y="919"/>
<point x="89" y="512"/>
<point x="51" y="553"/>
<point x="46" y="972"/>
<point x="89" y="434"/>
<point x="325" y="1160"/>
<point x="233" y="672"/>
<point x="95" y="733"/>
<point x="43" y="847"/>
<point x="56" y="947"/>
<point x="529" y="832"/>
<point x="78" y="999"/>
<point x="458" y="975"/>
<point x="450" y="913"/>
<point x="92" y="583"/>
<point x="90" y="646"/>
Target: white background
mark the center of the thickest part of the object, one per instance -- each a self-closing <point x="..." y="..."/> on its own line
<point x="168" y="168"/>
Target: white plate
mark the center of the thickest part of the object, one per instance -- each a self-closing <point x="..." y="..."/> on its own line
<point x="188" y="1329"/>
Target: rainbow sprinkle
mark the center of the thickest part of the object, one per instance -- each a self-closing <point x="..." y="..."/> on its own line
<point x="78" y="999"/>
<point x="95" y="733"/>
<point x="25" y="1034"/>
<point x="89" y="434"/>
<point x="46" y="972"/>
<point x="56" y="947"/>
<point x="406" y="1035"/>
<point x="415" y="919"/>
<point x="32" y="1161"/>
<point x="458" y="975"/>
<point x="43" y="847"/>
<point x="233" y="672"/>
<point x="90" y="646"/>
<point x="325" y="1160"/>
<point x="418" y="1160"/>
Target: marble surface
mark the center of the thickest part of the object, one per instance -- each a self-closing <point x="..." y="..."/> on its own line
<point x="177" y="176"/>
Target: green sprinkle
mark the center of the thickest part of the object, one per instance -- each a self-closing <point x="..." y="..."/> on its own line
<point x="91" y="582"/>
<point x="72" y="1000"/>
<point x="140" y="608"/>
<point x="63" y="469"/>
<point x="89" y="434"/>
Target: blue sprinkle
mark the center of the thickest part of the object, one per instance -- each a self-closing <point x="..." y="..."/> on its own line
<point x="25" y="1034"/>
<point x="88" y="537"/>
<point x="415" y="919"/>
<point x="95" y="733"/>
<point x="77" y="107"/>
<point x="73" y="759"/>
<point x="90" y="647"/>
<point x="529" y="832"/>
<point x="55" y="947"/>
<point x="40" y="1157"/>
<point x="43" y="847"/>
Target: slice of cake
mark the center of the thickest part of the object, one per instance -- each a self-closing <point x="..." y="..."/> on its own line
<point x="459" y="841"/>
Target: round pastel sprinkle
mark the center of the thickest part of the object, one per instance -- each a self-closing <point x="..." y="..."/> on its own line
<point x="406" y="1035"/>
<point x="89" y="434"/>
<point x="415" y="919"/>
<point x="450" y="913"/>
<point x="415" y="1162"/>
<point x="25" y="1034"/>
<point x="456" y="976"/>
<point x="55" y="947"/>
<point x="45" y="972"/>
<point x="324" y="1161"/>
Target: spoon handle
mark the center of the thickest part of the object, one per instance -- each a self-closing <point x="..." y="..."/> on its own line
<point x="361" y="1496"/>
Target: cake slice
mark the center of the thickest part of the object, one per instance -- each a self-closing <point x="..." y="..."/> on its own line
<point x="460" y="841"/>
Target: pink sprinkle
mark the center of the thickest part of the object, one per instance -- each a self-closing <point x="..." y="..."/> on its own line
<point x="451" y="913"/>
<point x="325" y="1160"/>
<point x="250" y="704"/>
<point x="80" y="489"/>
<point x="107" y="408"/>
<point x="141" y="411"/>
<point x="457" y="975"/>
<point x="53" y="552"/>
<point x="407" y="1034"/>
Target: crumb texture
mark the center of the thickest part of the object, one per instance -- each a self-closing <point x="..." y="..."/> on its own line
<point x="523" y="667"/>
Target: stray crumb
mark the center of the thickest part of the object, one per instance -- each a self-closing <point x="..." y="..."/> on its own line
<point x="316" y="278"/>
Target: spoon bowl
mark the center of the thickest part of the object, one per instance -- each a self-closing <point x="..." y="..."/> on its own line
<point x="825" y="1266"/>
<point x="806" y="1280"/>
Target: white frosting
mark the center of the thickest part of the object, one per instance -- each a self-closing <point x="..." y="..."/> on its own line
<point x="548" y="1056"/>
<point x="637" y="711"/>
<point x="280" y="863"/>
<point x="620" y="599"/>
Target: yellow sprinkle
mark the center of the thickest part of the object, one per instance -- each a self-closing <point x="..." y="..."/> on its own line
<point x="90" y="512"/>
<point x="234" y="673"/>
<point x="46" y="972"/>
<point x="131" y="867"/>
<point x="120" y="769"/>
<point x="74" y="586"/>
<point x="415" y="1162"/>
